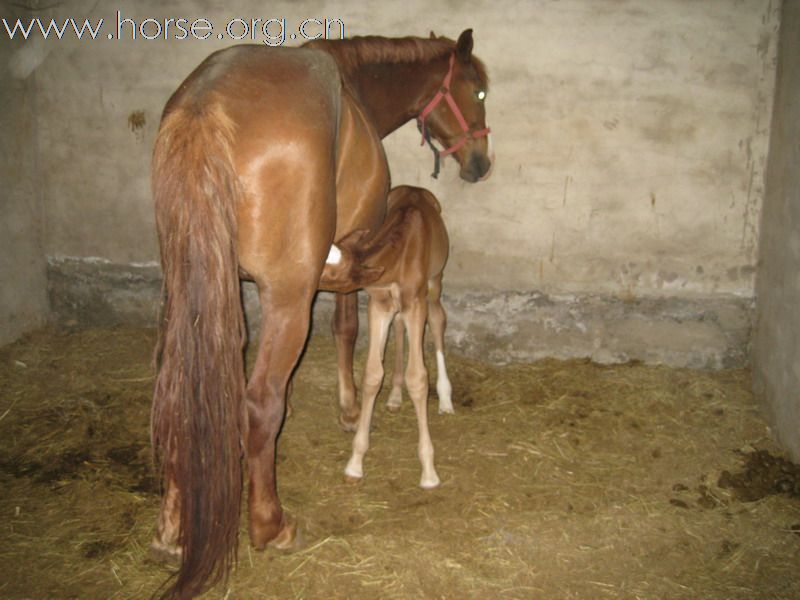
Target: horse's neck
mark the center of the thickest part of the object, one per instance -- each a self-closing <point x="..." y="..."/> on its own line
<point x="393" y="94"/>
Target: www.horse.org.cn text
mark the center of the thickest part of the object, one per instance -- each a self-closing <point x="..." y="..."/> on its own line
<point x="270" y="31"/>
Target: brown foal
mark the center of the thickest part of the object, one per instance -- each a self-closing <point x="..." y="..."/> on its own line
<point x="409" y="251"/>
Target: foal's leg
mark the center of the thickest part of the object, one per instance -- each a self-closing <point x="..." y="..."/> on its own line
<point x="345" y="331"/>
<point x="417" y="385"/>
<point x="285" y="321"/>
<point x="381" y="310"/>
<point x="396" y="395"/>
<point x="438" y="321"/>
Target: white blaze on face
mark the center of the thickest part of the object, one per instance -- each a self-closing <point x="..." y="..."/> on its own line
<point x="334" y="256"/>
<point x="490" y="154"/>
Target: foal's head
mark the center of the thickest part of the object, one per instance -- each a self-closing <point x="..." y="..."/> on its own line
<point x="461" y="129"/>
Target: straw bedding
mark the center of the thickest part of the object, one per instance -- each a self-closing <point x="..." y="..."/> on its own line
<point x="559" y="480"/>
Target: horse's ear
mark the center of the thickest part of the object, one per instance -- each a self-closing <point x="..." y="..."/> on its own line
<point x="464" y="46"/>
<point x="433" y="35"/>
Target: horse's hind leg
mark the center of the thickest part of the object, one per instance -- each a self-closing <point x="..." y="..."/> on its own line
<point x="164" y="548"/>
<point x="417" y="385"/>
<point x="396" y="394"/>
<point x="285" y="322"/>
<point x="438" y="321"/>
<point x="381" y="310"/>
<point x="345" y="331"/>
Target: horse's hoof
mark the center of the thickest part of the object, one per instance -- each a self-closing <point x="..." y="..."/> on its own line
<point x="347" y="423"/>
<point x="430" y="483"/>
<point x="395" y="399"/>
<point x="353" y="472"/>
<point x="162" y="554"/>
<point x="446" y="410"/>
<point x="288" y="539"/>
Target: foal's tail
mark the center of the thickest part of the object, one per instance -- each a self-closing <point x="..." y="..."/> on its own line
<point x="198" y="404"/>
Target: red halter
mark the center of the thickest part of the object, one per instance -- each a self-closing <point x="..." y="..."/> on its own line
<point x="444" y="92"/>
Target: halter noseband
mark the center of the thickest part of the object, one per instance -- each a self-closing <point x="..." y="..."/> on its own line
<point x="468" y="134"/>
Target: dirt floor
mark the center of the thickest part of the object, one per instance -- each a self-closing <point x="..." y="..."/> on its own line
<point x="559" y="480"/>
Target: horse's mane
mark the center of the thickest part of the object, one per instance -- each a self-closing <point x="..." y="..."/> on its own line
<point x="353" y="53"/>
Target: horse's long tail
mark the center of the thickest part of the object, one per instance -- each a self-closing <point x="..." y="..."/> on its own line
<point x="198" y="404"/>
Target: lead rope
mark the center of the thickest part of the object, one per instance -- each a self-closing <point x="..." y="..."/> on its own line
<point x="426" y="135"/>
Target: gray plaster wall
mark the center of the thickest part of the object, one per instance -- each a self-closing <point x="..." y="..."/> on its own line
<point x="776" y="348"/>
<point x="23" y="298"/>
<point x="630" y="137"/>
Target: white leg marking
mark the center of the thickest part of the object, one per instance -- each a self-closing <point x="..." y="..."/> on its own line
<point x="443" y="387"/>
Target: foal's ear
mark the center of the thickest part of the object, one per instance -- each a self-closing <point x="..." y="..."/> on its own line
<point x="433" y="35"/>
<point x="464" y="46"/>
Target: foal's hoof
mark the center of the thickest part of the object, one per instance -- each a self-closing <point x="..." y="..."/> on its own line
<point x="164" y="554"/>
<point x="348" y="423"/>
<point x="395" y="400"/>
<point x="429" y="482"/>
<point x="353" y="472"/>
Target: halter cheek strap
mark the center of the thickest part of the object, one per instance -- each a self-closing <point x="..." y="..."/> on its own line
<point x="444" y="93"/>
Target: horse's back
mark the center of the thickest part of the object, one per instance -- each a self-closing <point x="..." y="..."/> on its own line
<point x="252" y="73"/>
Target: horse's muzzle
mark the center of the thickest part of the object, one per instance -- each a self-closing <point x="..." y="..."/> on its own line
<point x="475" y="169"/>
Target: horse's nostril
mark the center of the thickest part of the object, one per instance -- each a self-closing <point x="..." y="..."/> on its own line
<point x="479" y="164"/>
<point x="468" y="175"/>
<point x="476" y="167"/>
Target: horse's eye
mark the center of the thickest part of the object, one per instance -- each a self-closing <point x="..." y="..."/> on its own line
<point x="480" y="95"/>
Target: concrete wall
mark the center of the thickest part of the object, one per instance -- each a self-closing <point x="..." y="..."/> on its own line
<point x="631" y="143"/>
<point x="776" y="348"/>
<point x="631" y="140"/>
<point x="23" y="298"/>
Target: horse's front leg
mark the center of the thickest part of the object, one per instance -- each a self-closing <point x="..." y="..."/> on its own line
<point x="345" y="331"/>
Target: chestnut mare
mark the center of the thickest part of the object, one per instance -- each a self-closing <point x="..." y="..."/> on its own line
<point x="409" y="251"/>
<point x="264" y="158"/>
